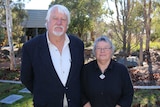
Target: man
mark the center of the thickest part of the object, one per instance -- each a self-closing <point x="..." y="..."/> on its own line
<point x="51" y="63"/>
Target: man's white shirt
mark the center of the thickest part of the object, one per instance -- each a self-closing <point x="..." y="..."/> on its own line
<point x="61" y="62"/>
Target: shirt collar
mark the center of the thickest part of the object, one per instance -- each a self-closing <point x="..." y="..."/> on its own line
<point x="67" y="41"/>
<point x="110" y="66"/>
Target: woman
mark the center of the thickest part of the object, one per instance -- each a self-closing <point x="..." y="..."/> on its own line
<point x="105" y="83"/>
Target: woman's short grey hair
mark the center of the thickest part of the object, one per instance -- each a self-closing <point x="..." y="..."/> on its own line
<point x="61" y="9"/>
<point x="105" y="39"/>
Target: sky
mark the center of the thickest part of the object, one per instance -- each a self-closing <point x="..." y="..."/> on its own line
<point x="38" y="4"/>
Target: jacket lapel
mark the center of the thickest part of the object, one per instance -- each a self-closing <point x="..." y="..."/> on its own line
<point x="73" y="59"/>
<point x="46" y="58"/>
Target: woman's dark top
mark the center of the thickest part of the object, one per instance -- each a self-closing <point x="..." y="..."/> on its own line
<point x="115" y="88"/>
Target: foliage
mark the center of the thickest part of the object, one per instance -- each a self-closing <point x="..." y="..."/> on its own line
<point x="2" y="36"/>
<point x="88" y="44"/>
<point x="84" y="14"/>
<point x="155" y="45"/>
<point x="8" y="89"/>
<point x="129" y="20"/>
<point x="6" y="74"/>
<point x="156" y="24"/>
<point x="148" y="98"/>
<point x="18" y="15"/>
<point x="2" y="25"/>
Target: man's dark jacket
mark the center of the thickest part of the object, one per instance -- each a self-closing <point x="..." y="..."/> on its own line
<point x="39" y="76"/>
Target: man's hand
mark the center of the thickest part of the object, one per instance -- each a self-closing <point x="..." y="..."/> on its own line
<point x="87" y="105"/>
<point x="118" y="106"/>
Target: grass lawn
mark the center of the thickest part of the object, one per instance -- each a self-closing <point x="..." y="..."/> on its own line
<point x="142" y="98"/>
<point x="7" y="89"/>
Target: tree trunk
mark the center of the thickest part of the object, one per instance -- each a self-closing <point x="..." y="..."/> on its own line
<point x="148" y="29"/>
<point x="141" y="51"/>
<point x="9" y="32"/>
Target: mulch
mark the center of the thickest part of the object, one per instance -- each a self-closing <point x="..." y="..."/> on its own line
<point x="5" y="63"/>
<point x="141" y="75"/>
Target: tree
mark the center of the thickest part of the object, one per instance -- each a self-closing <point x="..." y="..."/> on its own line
<point x="2" y="23"/>
<point x="126" y="23"/>
<point x="84" y="15"/>
<point x="147" y="21"/>
<point x="9" y="32"/>
<point x="155" y="24"/>
<point x="18" y="14"/>
<point x="14" y="14"/>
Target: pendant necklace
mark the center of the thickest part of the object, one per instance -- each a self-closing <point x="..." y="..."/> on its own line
<point x="102" y="76"/>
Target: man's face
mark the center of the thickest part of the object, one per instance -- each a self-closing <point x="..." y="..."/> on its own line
<point x="57" y="24"/>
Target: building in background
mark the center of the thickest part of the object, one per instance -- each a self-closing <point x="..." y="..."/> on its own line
<point x="34" y="24"/>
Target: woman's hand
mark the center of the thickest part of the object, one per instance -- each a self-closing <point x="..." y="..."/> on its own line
<point x="117" y="106"/>
<point x="87" y="105"/>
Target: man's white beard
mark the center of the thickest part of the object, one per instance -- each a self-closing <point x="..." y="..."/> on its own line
<point x="58" y="33"/>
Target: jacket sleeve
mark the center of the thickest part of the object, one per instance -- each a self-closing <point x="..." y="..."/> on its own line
<point x="26" y="69"/>
<point x="84" y="98"/>
<point x="127" y="91"/>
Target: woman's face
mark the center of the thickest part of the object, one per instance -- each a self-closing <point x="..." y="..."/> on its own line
<point x="57" y="24"/>
<point x="103" y="51"/>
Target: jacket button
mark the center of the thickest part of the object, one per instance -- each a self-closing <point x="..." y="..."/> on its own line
<point x="69" y="99"/>
<point x="101" y="93"/>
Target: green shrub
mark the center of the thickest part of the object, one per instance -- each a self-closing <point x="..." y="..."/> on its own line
<point x="148" y="98"/>
<point x="7" y="74"/>
<point x="155" y="45"/>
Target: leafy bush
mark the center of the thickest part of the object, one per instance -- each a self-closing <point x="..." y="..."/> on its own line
<point x="7" y="74"/>
<point x="155" y="45"/>
<point x="146" y="98"/>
